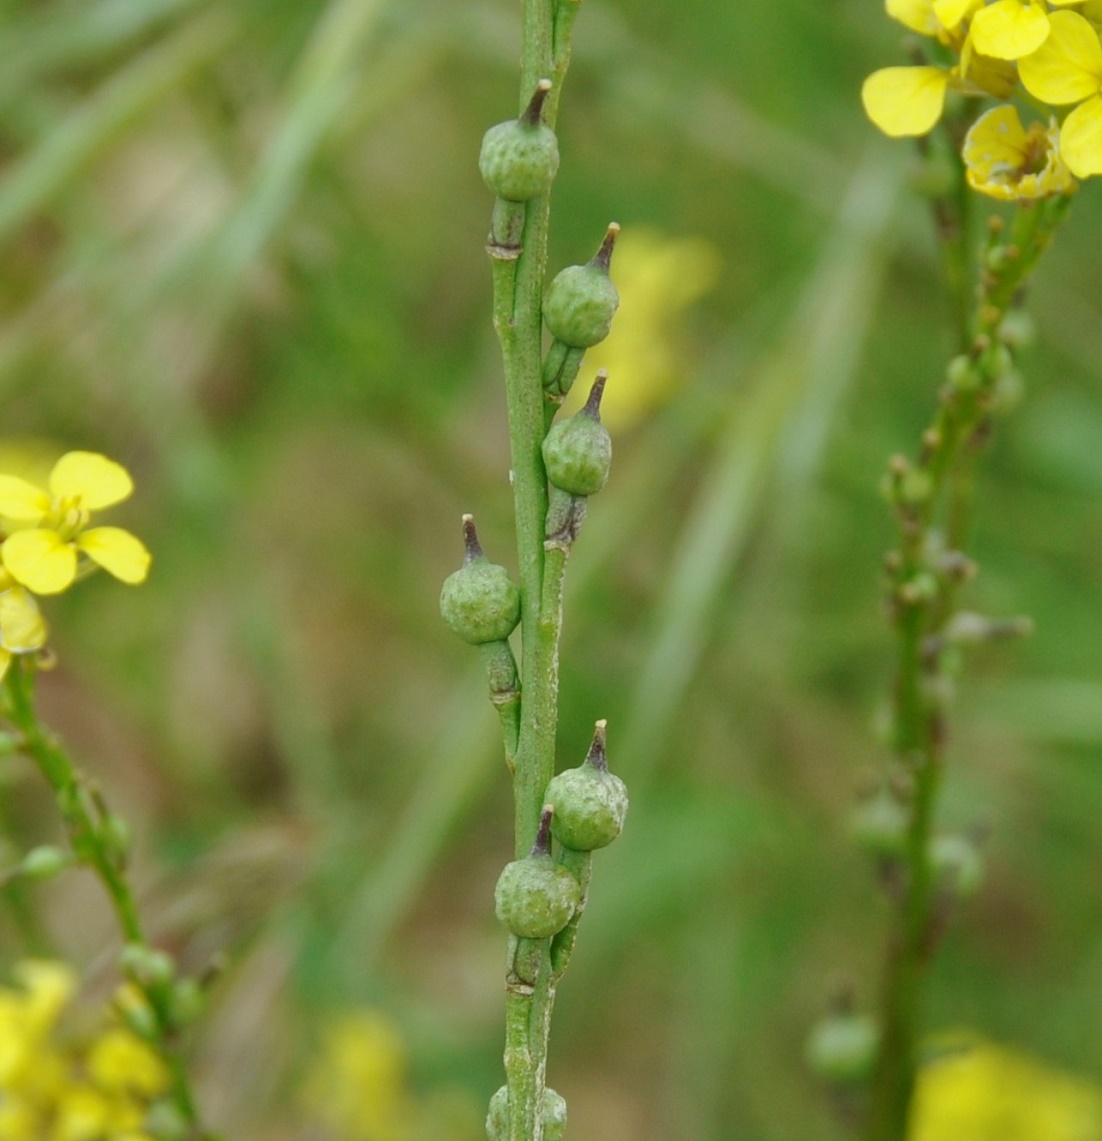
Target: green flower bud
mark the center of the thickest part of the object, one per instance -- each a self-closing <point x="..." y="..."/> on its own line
<point x="480" y="602"/>
<point x="957" y="862"/>
<point x="534" y="897"/>
<point x="842" y="1048"/>
<point x="520" y="158"/>
<point x="146" y="966"/>
<point x="590" y="803"/>
<point x="880" y="824"/>
<point x="578" y="452"/>
<point x="581" y="301"/>
<point x="45" y="862"/>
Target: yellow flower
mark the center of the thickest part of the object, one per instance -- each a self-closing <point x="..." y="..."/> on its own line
<point x="909" y="101"/>
<point x="1010" y="29"/>
<point x="22" y="628"/>
<point x="977" y="1091"/>
<point x="42" y="555"/>
<point x="357" y="1085"/>
<point x="1067" y="68"/>
<point x="1006" y="161"/>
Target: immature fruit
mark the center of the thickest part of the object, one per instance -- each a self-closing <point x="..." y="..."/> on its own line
<point x="581" y="301"/>
<point x="590" y="802"/>
<point x="553" y="1112"/>
<point x="842" y="1048"/>
<point x="880" y="825"/>
<point x="480" y="602"/>
<point x="535" y="897"/>
<point x="519" y="158"/>
<point x="957" y="862"/>
<point x="577" y="452"/>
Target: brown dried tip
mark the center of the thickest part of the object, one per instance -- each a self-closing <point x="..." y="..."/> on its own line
<point x="470" y="541"/>
<point x="593" y="404"/>
<point x="598" y="752"/>
<point x="602" y="259"/>
<point x="542" y="846"/>
<point x="534" y="110"/>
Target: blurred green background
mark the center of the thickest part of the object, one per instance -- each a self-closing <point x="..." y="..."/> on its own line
<point x="242" y="254"/>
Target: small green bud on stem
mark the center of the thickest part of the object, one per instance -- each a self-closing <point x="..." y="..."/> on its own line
<point x="518" y="161"/>
<point x="480" y="602"/>
<point x="534" y="897"/>
<point x="590" y="803"/>
<point x="581" y="300"/>
<point x="577" y="452"/>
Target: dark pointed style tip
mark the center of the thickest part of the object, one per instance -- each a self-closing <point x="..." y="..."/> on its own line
<point x="534" y="111"/>
<point x="542" y="846"/>
<point x="593" y="404"/>
<point x="602" y="259"/>
<point x="598" y="750"/>
<point x="470" y="540"/>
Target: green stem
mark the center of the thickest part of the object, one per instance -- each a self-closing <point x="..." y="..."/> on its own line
<point x="923" y="598"/>
<point x="84" y="821"/>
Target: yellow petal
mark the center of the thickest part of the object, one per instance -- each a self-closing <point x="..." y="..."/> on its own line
<point x="5" y="661"/>
<point x="22" y="501"/>
<point x="22" y="629"/>
<point x="40" y="560"/>
<point x="1005" y="161"/>
<point x="918" y="15"/>
<point x="1081" y="139"/>
<point x="116" y="551"/>
<point x="1067" y="67"/>
<point x="1009" y="29"/>
<point x="93" y="479"/>
<point x="905" y="100"/>
<point x="952" y="12"/>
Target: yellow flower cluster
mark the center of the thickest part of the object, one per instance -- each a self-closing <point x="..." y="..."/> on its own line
<point x="57" y="1090"/>
<point x="47" y="544"/>
<point x="1051" y="48"/>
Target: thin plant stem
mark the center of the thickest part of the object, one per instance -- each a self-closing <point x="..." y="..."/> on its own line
<point x="85" y="817"/>
<point x="933" y="499"/>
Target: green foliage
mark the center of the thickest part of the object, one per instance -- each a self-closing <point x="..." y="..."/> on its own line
<point x="242" y="254"/>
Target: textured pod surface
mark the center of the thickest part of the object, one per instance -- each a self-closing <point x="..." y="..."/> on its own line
<point x="578" y="454"/>
<point x="480" y="602"/>
<point x="518" y="161"/>
<point x="579" y="305"/>
<point x="590" y="807"/>
<point x="535" y="898"/>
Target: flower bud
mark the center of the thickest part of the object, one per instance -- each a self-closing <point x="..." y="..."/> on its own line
<point x="581" y="301"/>
<point x="842" y="1048"/>
<point x="45" y="862"/>
<point x="534" y="897"/>
<point x="480" y="602"/>
<point x="578" y="452"/>
<point x="880" y="825"/>
<point x="519" y="159"/>
<point x="957" y="863"/>
<point x="590" y="803"/>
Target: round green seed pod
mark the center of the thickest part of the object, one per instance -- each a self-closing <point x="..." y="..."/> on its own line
<point x="553" y="1112"/>
<point x="577" y="452"/>
<point x="590" y="802"/>
<point x="497" y="1118"/>
<point x="520" y="158"/>
<point x="535" y="897"/>
<point x="579" y="305"/>
<point x="581" y="300"/>
<point x="842" y="1048"/>
<point x="480" y="602"/>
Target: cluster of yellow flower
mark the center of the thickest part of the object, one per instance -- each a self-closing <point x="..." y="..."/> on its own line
<point x="1050" y="49"/>
<point x="47" y="545"/>
<point x="57" y="1090"/>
